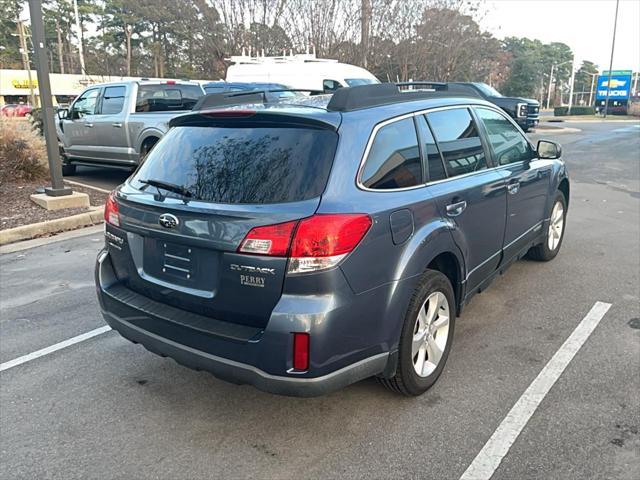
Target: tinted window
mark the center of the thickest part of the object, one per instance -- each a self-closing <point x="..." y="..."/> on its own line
<point x="508" y="144"/>
<point x="430" y="151"/>
<point x="394" y="158"/>
<point x="167" y="97"/>
<point x="330" y="85"/>
<point x="354" y="82"/>
<point x="243" y="165"/>
<point x="214" y="89"/>
<point x="458" y="140"/>
<point x="112" y="100"/>
<point x="86" y="104"/>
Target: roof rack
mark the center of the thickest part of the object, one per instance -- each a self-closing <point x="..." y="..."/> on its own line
<point x="367" y="96"/>
<point x="226" y="99"/>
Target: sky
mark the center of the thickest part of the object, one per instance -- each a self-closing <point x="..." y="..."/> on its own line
<point x="585" y="25"/>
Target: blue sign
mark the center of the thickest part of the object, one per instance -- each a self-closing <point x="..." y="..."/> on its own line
<point x="619" y="82"/>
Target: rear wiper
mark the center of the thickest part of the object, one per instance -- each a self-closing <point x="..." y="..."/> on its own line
<point x="170" y="187"/>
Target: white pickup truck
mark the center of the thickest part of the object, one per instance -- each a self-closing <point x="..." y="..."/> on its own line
<point x="116" y="124"/>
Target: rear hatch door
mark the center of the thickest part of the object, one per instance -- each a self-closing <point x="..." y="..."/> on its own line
<point x="182" y="249"/>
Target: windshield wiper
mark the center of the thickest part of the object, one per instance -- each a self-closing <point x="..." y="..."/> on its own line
<point x="170" y="187"/>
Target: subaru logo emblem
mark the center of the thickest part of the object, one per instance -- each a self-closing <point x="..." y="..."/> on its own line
<point x="168" y="220"/>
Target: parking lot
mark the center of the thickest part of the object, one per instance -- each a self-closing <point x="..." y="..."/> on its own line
<point x="106" y="408"/>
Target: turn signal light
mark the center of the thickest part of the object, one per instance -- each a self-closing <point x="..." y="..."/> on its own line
<point x="111" y="211"/>
<point x="315" y="243"/>
<point x="301" y="351"/>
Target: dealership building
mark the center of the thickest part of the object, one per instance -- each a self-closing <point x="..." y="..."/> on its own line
<point x="15" y="86"/>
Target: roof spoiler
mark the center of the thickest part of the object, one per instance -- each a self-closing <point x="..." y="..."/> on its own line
<point x="365" y="96"/>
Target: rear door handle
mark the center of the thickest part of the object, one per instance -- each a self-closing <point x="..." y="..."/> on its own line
<point x="513" y="187"/>
<point x="88" y="125"/>
<point x="117" y="125"/>
<point x="455" y="209"/>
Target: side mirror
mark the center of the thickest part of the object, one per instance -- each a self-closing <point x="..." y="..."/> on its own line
<point x="549" y="150"/>
<point x="63" y="113"/>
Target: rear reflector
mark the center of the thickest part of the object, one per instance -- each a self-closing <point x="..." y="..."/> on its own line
<point x="301" y="351"/>
<point x="111" y="211"/>
<point x="319" y="242"/>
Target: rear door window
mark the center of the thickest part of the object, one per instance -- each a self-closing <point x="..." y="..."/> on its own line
<point x="459" y="141"/>
<point x="242" y="165"/>
<point x="112" y="100"/>
<point x="167" y="97"/>
<point x="394" y="158"/>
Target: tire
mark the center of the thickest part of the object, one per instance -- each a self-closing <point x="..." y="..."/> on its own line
<point x="434" y="293"/>
<point x="145" y="149"/>
<point x="68" y="169"/>
<point x="549" y="248"/>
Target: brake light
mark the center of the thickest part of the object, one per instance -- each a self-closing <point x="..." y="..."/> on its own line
<point x="271" y="240"/>
<point x="229" y="113"/>
<point x="319" y="242"/>
<point x="301" y="351"/>
<point x="111" y="211"/>
<point x="170" y="82"/>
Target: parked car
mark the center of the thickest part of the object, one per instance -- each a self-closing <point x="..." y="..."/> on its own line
<point x="16" y="110"/>
<point x="117" y="124"/>
<point x="525" y="111"/>
<point x="304" y="71"/>
<point x="300" y="249"/>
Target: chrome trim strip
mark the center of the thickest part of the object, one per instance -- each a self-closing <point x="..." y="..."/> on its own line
<point x="537" y="225"/>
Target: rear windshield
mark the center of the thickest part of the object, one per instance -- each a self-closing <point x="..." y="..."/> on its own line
<point x="242" y="165"/>
<point x="167" y="97"/>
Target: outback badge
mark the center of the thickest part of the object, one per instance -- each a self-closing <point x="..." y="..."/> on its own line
<point x="168" y="220"/>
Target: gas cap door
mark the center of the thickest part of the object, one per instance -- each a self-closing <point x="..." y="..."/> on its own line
<point x="401" y="222"/>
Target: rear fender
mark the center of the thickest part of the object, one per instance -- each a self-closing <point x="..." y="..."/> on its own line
<point x="430" y="241"/>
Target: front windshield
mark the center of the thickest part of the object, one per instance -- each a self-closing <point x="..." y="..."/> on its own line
<point x="354" y="82"/>
<point x="488" y="90"/>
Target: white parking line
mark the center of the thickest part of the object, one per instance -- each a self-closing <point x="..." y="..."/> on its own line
<point x="53" y="348"/>
<point x="489" y="458"/>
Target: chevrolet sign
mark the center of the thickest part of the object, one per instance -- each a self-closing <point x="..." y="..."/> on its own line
<point x="617" y="82"/>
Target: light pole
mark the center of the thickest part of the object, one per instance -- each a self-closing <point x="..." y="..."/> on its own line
<point x="593" y="82"/>
<point x="572" y="81"/>
<point x="553" y="66"/>
<point x="613" y="44"/>
<point x="57" y="188"/>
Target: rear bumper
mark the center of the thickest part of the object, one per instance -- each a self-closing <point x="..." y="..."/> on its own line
<point x="234" y="355"/>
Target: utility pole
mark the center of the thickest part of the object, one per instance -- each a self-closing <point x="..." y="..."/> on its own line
<point x="550" y="81"/>
<point x="613" y="44"/>
<point x="57" y="188"/>
<point x="25" y="60"/>
<point x="365" y="27"/>
<point x="83" y="71"/>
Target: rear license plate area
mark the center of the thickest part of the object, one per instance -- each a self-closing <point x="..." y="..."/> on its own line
<point x="179" y="264"/>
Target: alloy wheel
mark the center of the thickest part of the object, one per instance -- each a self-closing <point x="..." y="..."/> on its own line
<point x="556" y="225"/>
<point x="430" y="334"/>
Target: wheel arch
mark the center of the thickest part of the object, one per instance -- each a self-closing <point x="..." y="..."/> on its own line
<point x="564" y="187"/>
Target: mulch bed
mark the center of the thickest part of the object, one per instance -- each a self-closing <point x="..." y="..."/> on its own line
<point x="17" y="209"/>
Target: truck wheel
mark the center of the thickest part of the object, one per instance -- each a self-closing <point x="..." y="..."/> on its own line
<point x="426" y="336"/>
<point x="68" y="169"/>
<point x="548" y="249"/>
<point x="146" y="148"/>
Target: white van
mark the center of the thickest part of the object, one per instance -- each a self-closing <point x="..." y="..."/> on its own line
<point x="303" y="71"/>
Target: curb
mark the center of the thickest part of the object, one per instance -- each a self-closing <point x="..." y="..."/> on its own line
<point x="26" y="232"/>
<point x="554" y="129"/>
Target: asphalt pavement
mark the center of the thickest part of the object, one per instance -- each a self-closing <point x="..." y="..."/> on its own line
<point x="106" y="408"/>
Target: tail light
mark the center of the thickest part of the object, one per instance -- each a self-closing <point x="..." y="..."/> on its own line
<point x="315" y="243"/>
<point x="301" y="351"/>
<point x="111" y="211"/>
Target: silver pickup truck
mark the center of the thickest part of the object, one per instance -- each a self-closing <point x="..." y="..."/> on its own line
<point x="116" y="124"/>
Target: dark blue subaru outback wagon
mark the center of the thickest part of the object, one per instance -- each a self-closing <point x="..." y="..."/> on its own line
<point x="303" y="247"/>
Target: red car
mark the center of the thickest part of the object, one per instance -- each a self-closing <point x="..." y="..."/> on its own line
<point x="15" y="110"/>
